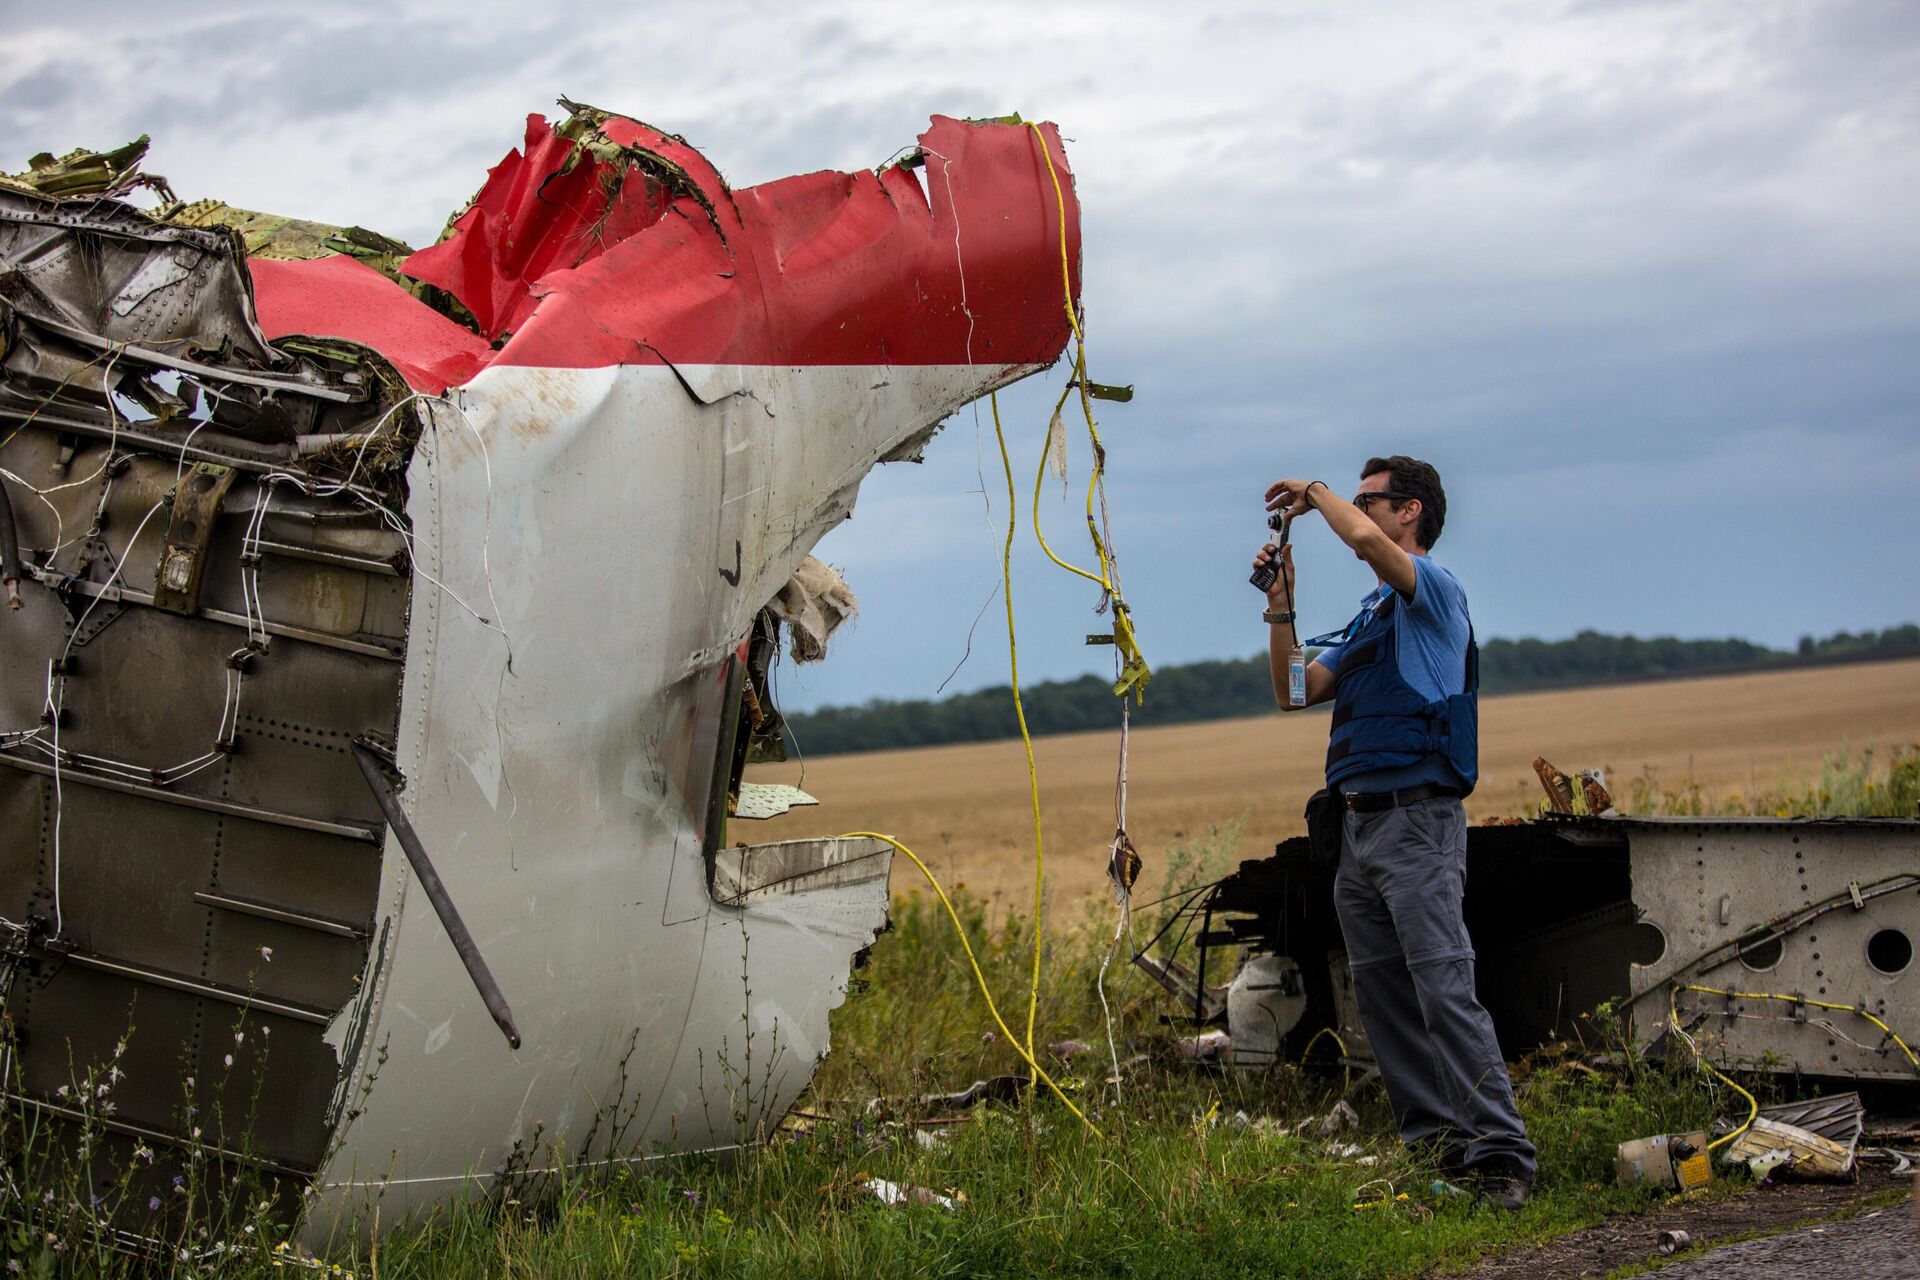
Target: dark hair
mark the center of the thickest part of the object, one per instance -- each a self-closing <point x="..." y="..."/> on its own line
<point x="1416" y="479"/>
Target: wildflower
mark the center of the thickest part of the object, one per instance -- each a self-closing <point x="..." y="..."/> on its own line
<point x="228" y="1059"/>
<point x="115" y="1075"/>
<point x="693" y="1197"/>
<point x="13" y="1266"/>
<point x="120" y="1047"/>
<point x="100" y="1090"/>
<point x="239" y="1037"/>
<point x="266" y="953"/>
<point x="61" y="1092"/>
<point x="153" y="1202"/>
<point x="189" y="1082"/>
<point x="143" y="1152"/>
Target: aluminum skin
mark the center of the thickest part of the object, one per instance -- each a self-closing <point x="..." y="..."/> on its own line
<point x="521" y="542"/>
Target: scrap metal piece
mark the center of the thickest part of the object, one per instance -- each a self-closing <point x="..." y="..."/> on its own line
<point x="374" y="769"/>
<point x="1779" y="967"/>
<point x="1789" y="1149"/>
<point x="1838" y="1117"/>
<point x="1206" y="1003"/>
<point x="1671" y="1161"/>
<point x="1558" y="786"/>
<point x="743" y="873"/>
<point x="1265" y="1001"/>
<point x="760" y="800"/>
<point x="183" y="557"/>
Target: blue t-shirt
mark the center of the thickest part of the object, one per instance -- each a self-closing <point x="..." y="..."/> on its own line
<point x="1434" y="631"/>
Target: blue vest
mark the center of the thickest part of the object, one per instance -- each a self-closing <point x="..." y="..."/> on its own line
<point x="1381" y="722"/>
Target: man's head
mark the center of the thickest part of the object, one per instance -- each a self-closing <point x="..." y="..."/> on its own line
<point x="1410" y="505"/>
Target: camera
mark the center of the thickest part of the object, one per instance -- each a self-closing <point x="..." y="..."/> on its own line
<point x="1265" y="576"/>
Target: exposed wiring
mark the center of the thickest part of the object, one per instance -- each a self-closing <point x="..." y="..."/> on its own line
<point x="1346" y="1054"/>
<point x="1816" y="1004"/>
<point x="1025" y="1052"/>
<point x="1020" y="714"/>
<point x="1753" y="1104"/>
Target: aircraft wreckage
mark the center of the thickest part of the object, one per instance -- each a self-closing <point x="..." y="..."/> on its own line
<point x="1762" y="944"/>
<point x="389" y="629"/>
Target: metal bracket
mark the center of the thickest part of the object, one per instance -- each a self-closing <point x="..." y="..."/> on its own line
<point x="183" y="558"/>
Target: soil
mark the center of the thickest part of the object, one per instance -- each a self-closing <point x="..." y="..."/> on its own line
<point x="965" y="808"/>
<point x="1632" y="1239"/>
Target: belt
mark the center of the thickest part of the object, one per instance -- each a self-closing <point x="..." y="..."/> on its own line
<point x="1375" y="801"/>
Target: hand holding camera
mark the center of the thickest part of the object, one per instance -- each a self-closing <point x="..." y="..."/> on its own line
<point x="1275" y="558"/>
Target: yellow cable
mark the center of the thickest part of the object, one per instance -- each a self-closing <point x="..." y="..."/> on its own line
<point x="1331" y="1034"/>
<point x="1346" y="1054"/>
<point x="1039" y="483"/>
<point x="1134" y="669"/>
<point x="1020" y="714"/>
<point x="979" y="977"/>
<point x="1753" y="1103"/>
<point x="1060" y="199"/>
<point x="1817" y="1004"/>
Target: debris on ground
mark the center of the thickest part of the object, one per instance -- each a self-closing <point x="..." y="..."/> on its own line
<point x="1341" y="1117"/>
<point x="901" y="1193"/>
<point x="1208" y="1046"/>
<point x="1673" y="1161"/>
<point x="1673" y="1241"/>
<point x="1628" y="1240"/>
<point x="1769" y="1147"/>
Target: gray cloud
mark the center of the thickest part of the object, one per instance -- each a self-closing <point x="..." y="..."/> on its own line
<point x="1632" y="273"/>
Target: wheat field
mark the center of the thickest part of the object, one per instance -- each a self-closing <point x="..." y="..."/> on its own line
<point x="965" y="809"/>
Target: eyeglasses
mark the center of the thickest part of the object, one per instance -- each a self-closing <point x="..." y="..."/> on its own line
<point x="1363" y="500"/>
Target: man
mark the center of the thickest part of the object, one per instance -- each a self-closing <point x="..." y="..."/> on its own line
<point x="1403" y="677"/>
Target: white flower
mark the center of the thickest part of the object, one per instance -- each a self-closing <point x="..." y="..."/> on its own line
<point x="61" y="1092"/>
<point x="228" y="1059"/>
<point x="266" y="953"/>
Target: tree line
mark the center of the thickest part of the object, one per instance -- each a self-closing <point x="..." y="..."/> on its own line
<point x="1218" y="690"/>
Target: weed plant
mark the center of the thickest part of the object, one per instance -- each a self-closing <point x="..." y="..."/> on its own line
<point x="1851" y="785"/>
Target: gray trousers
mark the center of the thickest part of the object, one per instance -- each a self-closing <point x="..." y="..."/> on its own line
<point x="1402" y="879"/>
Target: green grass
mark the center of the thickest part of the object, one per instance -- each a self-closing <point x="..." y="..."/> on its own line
<point x="1192" y="1174"/>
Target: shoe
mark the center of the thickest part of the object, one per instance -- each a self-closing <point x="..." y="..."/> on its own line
<point x="1503" y="1183"/>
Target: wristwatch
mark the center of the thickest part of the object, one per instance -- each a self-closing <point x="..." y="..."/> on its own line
<point x="1270" y="616"/>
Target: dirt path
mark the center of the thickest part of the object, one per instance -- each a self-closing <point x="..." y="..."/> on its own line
<point x="1623" y="1240"/>
<point x="965" y="808"/>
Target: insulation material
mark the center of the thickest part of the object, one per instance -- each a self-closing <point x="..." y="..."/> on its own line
<point x="814" y="602"/>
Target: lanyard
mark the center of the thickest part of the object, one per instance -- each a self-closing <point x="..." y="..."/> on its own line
<point x="1345" y="634"/>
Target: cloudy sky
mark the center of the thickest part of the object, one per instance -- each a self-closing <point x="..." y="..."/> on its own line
<point x="1641" y="279"/>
